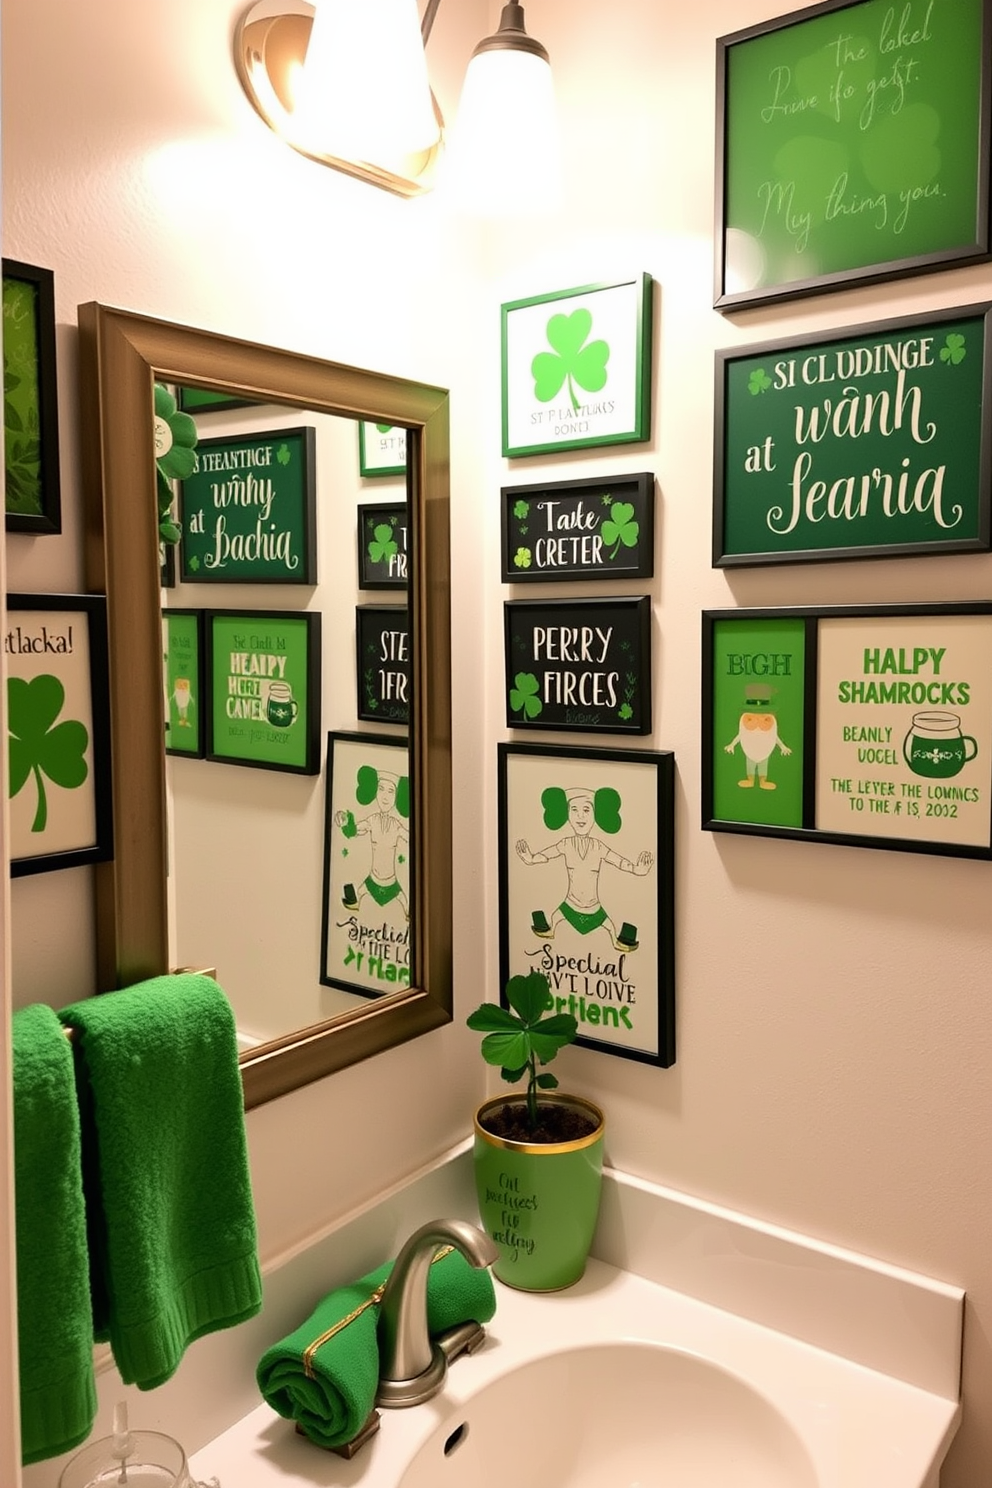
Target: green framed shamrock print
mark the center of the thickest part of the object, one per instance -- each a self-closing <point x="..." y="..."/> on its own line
<point x="58" y="731"/>
<point x="576" y="368"/>
<point x="381" y="449"/>
<point x="586" y="859"/>
<point x="32" y="493"/>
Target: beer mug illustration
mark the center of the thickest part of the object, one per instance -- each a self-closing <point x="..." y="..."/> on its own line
<point x="935" y="745"/>
<point x="281" y="708"/>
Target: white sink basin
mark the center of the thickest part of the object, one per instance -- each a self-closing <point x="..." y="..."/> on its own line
<point x="630" y="1415"/>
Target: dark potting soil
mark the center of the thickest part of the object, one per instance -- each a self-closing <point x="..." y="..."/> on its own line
<point x="554" y="1124"/>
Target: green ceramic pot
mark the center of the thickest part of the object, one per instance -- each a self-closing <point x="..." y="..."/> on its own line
<point x="539" y="1202"/>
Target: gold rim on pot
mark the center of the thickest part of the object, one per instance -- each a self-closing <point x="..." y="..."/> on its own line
<point x="576" y="1102"/>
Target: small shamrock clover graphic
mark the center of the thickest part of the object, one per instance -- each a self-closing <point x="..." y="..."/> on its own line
<point x="175" y="455"/>
<point x="523" y="695"/>
<point x="521" y="509"/>
<point x="570" y="360"/>
<point x="383" y="546"/>
<point x="620" y="529"/>
<point x="384" y="428"/>
<point x="38" y="745"/>
<point x="194" y="563"/>
<point x="758" y="382"/>
<point x="521" y="558"/>
<point x="625" y="711"/>
<point x="607" y="499"/>
<point x="953" y="350"/>
<point x="283" y="454"/>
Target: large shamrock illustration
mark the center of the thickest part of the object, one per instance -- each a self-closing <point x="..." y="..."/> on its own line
<point x="38" y="745"/>
<point x="620" y="527"/>
<point x="571" y="360"/>
<point x="175" y="456"/>
<point x="523" y="695"/>
<point x="382" y="545"/>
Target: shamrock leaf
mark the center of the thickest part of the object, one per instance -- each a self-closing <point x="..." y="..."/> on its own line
<point x="383" y="547"/>
<point x="283" y="454"/>
<point x="570" y="360"/>
<point x="194" y="563"/>
<point x="384" y="428"/>
<point x="607" y="499"/>
<point x="520" y="509"/>
<point x="523" y="695"/>
<point x="625" y="711"/>
<point x="758" y="382"/>
<point x="521" y="558"/>
<point x="621" y="527"/>
<point x="38" y="745"/>
<point x="953" y="350"/>
<point x="175" y="439"/>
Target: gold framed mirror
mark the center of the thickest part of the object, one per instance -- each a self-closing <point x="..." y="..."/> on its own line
<point x="122" y="355"/>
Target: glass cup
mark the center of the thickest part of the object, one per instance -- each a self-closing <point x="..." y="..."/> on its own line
<point x="154" y="1461"/>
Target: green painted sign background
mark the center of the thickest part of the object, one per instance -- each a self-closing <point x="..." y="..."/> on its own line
<point x="247" y="511"/>
<point x="183" y="688"/>
<point x="262" y="694"/>
<point x="851" y="139"/>
<point x="759" y="674"/>
<point x="866" y="442"/>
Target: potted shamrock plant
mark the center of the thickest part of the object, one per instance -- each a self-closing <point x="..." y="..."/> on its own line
<point x="538" y="1153"/>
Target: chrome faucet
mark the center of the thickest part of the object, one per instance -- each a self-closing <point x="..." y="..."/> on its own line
<point x="413" y="1366"/>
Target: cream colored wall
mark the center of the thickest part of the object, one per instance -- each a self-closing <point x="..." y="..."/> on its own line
<point x="834" y="1038"/>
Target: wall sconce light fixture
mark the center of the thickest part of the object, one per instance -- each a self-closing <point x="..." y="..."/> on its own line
<point x="345" y="83"/>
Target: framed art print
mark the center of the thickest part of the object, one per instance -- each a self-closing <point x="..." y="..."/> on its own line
<point x="182" y="654"/>
<point x="263" y="688"/>
<point x="852" y="146"/>
<point x="383" y="545"/>
<point x="863" y="727"/>
<point x="58" y="731"/>
<point x="365" y="938"/>
<point x="381" y="449"/>
<point x="870" y="443"/>
<point x="586" y="855"/>
<point x="248" y="511"/>
<point x="584" y="529"/>
<point x="30" y="389"/>
<point x="576" y="368"/>
<point x="206" y="400"/>
<point x="579" y="664"/>
<point x="382" y="663"/>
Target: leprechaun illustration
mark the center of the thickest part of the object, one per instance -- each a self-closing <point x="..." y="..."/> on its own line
<point x="757" y="734"/>
<point x="584" y="855"/>
<point x="386" y="829"/>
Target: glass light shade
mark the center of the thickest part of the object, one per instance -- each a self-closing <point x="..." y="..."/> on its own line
<point x="504" y="155"/>
<point x="363" y="91"/>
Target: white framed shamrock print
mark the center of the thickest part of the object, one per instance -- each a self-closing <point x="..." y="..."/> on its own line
<point x="576" y="368"/>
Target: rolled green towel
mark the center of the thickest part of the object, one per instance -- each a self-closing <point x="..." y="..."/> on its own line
<point x="324" y="1375"/>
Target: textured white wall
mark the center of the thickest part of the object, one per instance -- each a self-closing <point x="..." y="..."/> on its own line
<point x="833" y="1030"/>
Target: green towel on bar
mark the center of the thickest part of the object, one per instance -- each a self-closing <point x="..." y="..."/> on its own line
<point x="330" y="1390"/>
<point x="54" y="1318"/>
<point x="173" y="1251"/>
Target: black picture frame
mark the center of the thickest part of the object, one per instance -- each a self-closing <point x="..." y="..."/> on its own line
<point x="382" y="663"/>
<point x="378" y="566"/>
<point x="578" y="664"/>
<point x="41" y="628"/>
<point x="820" y="164"/>
<point x="594" y="964"/>
<point x="860" y="726"/>
<point x="827" y="438"/>
<point x="31" y="423"/>
<point x="264" y="733"/>
<point x="560" y="531"/>
<point x="185" y="683"/>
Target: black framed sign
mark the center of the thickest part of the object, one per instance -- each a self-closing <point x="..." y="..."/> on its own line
<point x="32" y="500"/>
<point x="852" y="146"/>
<point x="871" y="443"/>
<point x="382" y="545"/>
<point x="586" y="853"/>
<point x="365" y="933"/>
<point x="182" y="655"/>
<point x="58" y="731"/>
<point x="206" y="400"/>
<point x="263" y="688"/>
<point x="864" y="727"/>
<point x="248" y="511"/>
<point x="382" y="657"/>
<point x="584" y="529"/>
<point x="576" y="368"/>
<point x="579" y="664"/>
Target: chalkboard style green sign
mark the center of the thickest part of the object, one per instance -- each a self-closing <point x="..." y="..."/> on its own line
<point x="864" y="727"/>
<point x="382" y="653"/>
<point x="586" y="529"/>
<point x="875" y="443"/>
<point x="263" y="685"/>
<point x="853" y="145"/>
<point x="248" y="510"/>
<point x="382" y="545"/>
<point x="579" y="664"/>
